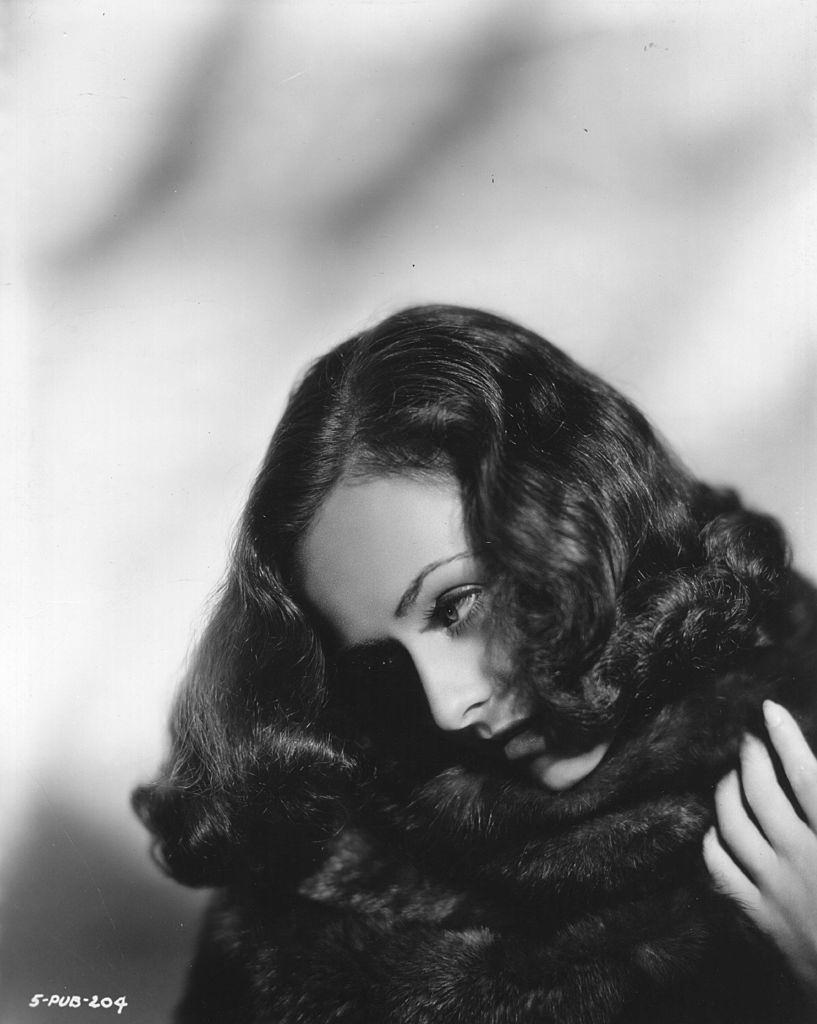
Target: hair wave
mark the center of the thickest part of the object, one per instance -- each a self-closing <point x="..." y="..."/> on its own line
<point x="617" y="577"/>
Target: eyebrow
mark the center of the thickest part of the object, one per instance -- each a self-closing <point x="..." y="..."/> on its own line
<point x="410" y="596"/>
<point x="404" y="605"/>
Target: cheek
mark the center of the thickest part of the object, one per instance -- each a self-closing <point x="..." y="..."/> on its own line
<point x="497" y="662"/>
<point x="383" y="709"/>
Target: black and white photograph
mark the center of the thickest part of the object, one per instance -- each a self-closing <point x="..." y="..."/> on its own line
<point x="408" y="533"/>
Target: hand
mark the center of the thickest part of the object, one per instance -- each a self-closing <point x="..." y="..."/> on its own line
<point x="771" y="870"/>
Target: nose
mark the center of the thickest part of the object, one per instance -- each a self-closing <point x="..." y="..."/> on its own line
<point x="458" y="691"/>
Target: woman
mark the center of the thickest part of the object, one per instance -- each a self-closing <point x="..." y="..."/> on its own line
<point x="449" y="743"/>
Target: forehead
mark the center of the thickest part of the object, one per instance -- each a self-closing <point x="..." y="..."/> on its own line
<point x="369" y="540"/>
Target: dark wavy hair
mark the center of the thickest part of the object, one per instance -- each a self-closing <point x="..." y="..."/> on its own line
<point x="616" y="577"/>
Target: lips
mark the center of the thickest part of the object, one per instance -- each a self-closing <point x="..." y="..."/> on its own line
<point x="523" y="744"/>
<point x="552" y="770"/>
<point x="521" y="740"/>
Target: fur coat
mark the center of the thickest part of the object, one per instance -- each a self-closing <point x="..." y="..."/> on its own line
<point x="472" y="898"/>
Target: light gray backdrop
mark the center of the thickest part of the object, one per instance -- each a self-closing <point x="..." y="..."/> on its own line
<point x="210" y="194"/>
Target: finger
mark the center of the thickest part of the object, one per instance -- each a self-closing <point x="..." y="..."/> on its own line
<point x="798" y="761"/>
<point x="726" y="874"/>
<point x="745" y="841"/>
<point x="777" y="818"/>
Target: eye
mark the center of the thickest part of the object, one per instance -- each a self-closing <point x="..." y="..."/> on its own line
<point x="457" y="608"/>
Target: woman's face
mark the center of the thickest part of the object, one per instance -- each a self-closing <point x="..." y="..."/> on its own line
<point x="386" y="560"/>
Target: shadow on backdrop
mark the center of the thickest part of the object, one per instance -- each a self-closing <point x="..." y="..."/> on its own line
<point x="219" y="197"/>
<point x="86" y="915"/>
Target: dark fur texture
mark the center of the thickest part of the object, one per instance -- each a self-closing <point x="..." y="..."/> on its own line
<point x="376" y="873"/>
<point x="483" y="901"/>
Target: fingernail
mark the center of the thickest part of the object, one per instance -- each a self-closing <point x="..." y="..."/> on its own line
<point x="771" y="712"/>
<point x="751" y="743"/>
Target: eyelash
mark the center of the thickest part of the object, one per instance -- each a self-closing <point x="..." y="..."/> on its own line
<point x="385" y="656"/>
<point x="456" y="598"/>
